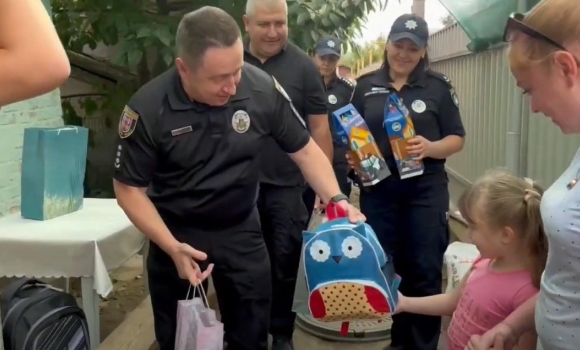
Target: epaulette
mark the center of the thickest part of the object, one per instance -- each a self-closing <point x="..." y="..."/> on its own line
<point x="441" y="77"/>
<point x="447" y="81"/>
<point x="368" y="74"/>
<point x="345" y="81"/>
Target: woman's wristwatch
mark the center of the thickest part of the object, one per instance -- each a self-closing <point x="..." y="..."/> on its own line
<point x="338" y="198"/>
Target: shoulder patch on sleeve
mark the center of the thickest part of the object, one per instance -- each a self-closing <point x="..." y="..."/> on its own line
<point x="283" y="93"/>
<point x="447" y="81"/>
<point x="128" y="122"/>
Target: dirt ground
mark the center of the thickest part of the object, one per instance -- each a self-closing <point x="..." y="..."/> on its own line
<point x="128" y="293"/>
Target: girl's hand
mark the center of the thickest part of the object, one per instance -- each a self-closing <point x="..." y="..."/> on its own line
<point x="401" y="304"/>
<point x="500" y="337"/>
<point x="349" y="160"/>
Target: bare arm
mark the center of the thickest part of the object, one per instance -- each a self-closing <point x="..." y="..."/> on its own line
<point x="436" y="305"/>
<point x="32" y="58"/>
<point x="320" y="131"/>
<point x="144" y="216"/>
<point x="522" y="319"/>
<point x="527" y="341"/>
<point x="446" y="147"/>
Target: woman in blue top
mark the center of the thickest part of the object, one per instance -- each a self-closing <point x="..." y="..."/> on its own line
<point x="410" y="215"/>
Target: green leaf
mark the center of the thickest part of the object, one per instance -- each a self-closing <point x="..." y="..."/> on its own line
<point x="90" y="106"/>
<point x="164" y="35"/>
<point x="168" y="58"/>
<point x="134" y="58"/>
<point x="302" y="18"/>
<point x="335" y="20"/>
<point x="144" y="32"/>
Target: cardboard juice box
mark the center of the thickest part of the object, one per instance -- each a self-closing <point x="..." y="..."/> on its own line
<point x="400" y="130"/>
<point x="353" y="133"/>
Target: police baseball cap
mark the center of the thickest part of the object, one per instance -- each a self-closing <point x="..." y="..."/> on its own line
<point x="410" y="27"/>
<point x="328" y="45"/>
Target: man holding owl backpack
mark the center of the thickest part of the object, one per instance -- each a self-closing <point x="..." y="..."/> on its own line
<point x="186" y="175"/>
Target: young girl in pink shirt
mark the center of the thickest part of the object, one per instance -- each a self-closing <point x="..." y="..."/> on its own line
<point x="503" y="214"/>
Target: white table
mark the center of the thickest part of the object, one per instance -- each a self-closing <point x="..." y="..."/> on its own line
<point x="85" y="244"/>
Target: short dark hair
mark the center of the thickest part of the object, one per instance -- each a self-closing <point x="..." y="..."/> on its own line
<point x="203" y="29"/>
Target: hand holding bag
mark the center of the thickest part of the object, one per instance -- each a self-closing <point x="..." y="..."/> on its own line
<point x="197" y="325"/>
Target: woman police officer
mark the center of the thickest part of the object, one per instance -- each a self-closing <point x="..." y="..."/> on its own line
<point x="410" y="216"/>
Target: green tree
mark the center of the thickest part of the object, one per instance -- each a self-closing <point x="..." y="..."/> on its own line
<point x="447" y="20"/>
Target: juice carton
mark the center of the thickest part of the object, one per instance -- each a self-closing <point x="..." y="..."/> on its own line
<point x="400" y="130"/>
<point x="352" y="132"/>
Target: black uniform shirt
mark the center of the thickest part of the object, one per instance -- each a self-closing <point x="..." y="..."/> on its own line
<point x="200" y="163"/>
<point x="430" y="99"/>
<point x="300" y="78"/>
<point x="339" y="93"/>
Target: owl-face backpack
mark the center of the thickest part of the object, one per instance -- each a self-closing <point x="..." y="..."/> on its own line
<point x="348" y="275"/>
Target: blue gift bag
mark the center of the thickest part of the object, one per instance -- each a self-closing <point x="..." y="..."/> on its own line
<point x="53" y="171"/>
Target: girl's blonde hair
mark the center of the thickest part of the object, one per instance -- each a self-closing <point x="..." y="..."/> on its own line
<point x="558" y="20"/>
<point x="505" y="200"/>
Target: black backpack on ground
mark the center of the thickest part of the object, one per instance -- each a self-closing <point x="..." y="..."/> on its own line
<point x="36" y="316"/>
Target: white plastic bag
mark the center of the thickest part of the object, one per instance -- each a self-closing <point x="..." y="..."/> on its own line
<point x="197" y="325"/>
<point x="459" y="257"/>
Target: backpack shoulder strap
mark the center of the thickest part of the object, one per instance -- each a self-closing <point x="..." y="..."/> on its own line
<point x="13" y="288"/>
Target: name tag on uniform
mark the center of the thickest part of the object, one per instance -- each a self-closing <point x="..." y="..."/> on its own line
<point x="181" y="131"/>
<point x="377" y="90"/>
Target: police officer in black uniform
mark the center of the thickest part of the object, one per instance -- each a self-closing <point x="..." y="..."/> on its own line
<point x="327" y="52"/>
<point x="282" y="211"/>
<point x="410" y="215"/>
<point x="186" y="174"/>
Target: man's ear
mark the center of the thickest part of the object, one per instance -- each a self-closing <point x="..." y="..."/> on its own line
<point x="246" y="22"/>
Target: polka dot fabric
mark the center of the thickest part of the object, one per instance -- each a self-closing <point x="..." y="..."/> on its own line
<point x="345" y="301"/>
<point x="558" y="306"/>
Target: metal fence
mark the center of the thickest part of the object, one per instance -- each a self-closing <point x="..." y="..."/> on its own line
<point x="487" y="95"/>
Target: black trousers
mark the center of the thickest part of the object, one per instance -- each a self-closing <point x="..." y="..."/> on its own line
<point x="241" y="277"/>
<point x="341" y="170"/>
<point x="410" y="219"/>
<point x="283" y="219"/>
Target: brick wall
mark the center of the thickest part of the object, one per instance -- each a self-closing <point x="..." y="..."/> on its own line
<point x="44" y="111"/>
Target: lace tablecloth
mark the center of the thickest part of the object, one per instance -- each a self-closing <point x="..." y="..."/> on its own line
<point x="87" y="243"/>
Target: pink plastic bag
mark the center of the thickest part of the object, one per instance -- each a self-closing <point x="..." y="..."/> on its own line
<point x="197" y="325"/>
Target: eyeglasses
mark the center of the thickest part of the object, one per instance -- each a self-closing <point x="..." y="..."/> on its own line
<point x="515" y="24"/>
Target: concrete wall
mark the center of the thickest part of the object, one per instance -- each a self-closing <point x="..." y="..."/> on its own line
<point x="44" y="111"/>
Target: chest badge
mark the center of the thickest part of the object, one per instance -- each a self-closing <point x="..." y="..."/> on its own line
<point x="241" y="122"/>
<point x="418" y="106"/>
<point x="332" y="99"/>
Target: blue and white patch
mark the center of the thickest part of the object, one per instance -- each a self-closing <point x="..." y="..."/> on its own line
<point x="454" y="97"/>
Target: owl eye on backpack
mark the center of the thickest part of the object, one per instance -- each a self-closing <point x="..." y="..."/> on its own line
<point x="348" y="275"/>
